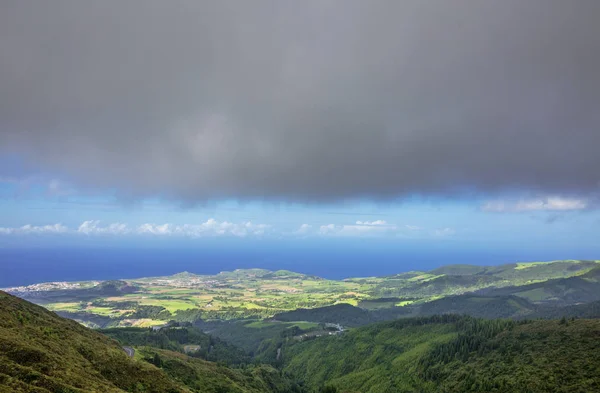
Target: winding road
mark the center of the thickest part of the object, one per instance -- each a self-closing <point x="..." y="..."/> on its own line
<point x="130" y="351"/>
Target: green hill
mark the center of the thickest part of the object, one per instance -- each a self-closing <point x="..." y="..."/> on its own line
<point x="344" y="314"/>
<point x="459" y="270"/>
<point x="41" y="352"/>
<point x="178" y="339"/>
<point x="562" y="291"/>
<point x="459" y="279"/>
<point x="480" y="306"/>
<point x="203" y="376"/>
<point x="452" y="354"/>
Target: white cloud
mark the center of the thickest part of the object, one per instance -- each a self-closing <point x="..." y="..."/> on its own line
<point x="92" y="227"/>
<point x="211" y="227"/>
<point x="371" y="223"/>
<point x="361" y="228"/>
<point x="34" y="229"/>
<point x="444" y="232"/>
<point x="304" y="229"/>
<point x="155" y="229"/>
<point x="539" y="204"/>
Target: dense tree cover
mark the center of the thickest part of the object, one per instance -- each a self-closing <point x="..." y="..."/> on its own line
<point x="252" y="340"/>
<point x="377" y="358"/>
<point x="152" y="312"/>
<point x="177" y="338"/>
<point x="539" y="356"/>
<point x="210" y="377"/>
<point x="479" y="306"/>
<point x="453" y="354"/>
<point x="91" y="320"/>
<point x="588" y="310"/>
<point x="344" y="314"/>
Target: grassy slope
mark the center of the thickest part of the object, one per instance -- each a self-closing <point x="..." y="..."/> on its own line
<point x="377" y="358"/>
<point x="209" y="377"/>
<point x="41" y="352"/>
<point x="453" y="354"/>
<point x="176" y="339"/>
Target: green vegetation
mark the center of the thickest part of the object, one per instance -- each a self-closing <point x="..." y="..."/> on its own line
<point x="452" y="354"/>
<point x="177" y="338"/>
<point x="304" y="351"/>
<point x="209" y="377"/>
<point x="480" y="306"/>
<point x="253" y="336"/>
<point x="262" y="294"/>
<point x="343" y="314"/>
<point x="581" y="288"/>
<point x="42" y="353"/>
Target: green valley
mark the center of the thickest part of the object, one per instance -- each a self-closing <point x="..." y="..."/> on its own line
<point x="512" y="290"/>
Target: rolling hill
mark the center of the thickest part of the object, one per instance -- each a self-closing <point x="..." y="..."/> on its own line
<point x="41" y="352"/>
<point x="577" y="289"/>
<point x="262" y="294"/>
<point x="480" y="306"/>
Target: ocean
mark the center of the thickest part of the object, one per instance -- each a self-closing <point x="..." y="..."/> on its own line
<point x="23" y="266"/>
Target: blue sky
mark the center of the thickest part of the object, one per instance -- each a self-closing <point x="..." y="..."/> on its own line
<point x="46" y="212"/>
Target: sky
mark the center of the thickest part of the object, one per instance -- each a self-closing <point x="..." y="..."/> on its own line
<point x="458" y="123"/>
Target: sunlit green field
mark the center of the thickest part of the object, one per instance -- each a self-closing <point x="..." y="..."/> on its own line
<point x="260" y="294"/>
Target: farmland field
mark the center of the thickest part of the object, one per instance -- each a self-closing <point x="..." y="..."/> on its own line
<point x="260" y="295"/>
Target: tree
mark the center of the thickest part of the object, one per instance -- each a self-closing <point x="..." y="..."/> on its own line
<point x="156" y="360"/>
<point x="329" y="389"/>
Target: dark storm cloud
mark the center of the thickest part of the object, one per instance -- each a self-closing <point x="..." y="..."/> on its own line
<point x="304" y="101"/>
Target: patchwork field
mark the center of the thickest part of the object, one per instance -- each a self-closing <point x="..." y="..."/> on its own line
<point x="261" y="294"/>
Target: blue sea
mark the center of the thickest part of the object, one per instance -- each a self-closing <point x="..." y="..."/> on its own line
<point x="23" y="266"/>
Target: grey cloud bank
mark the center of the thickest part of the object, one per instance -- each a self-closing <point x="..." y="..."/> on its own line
<point x="310" y="101"/>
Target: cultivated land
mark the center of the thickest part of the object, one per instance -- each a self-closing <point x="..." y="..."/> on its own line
<point x="261" y="331"/>
<point x="518" y="289"/>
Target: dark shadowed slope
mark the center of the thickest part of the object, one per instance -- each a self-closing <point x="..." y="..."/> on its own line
<point x="480" y="306"/>
<point x="583" y="288"/>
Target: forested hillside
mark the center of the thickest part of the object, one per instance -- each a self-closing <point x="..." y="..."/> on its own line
<point x="184" y="339"/>
<point x="453" y="354"/>
<point x="41" y="352"/>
